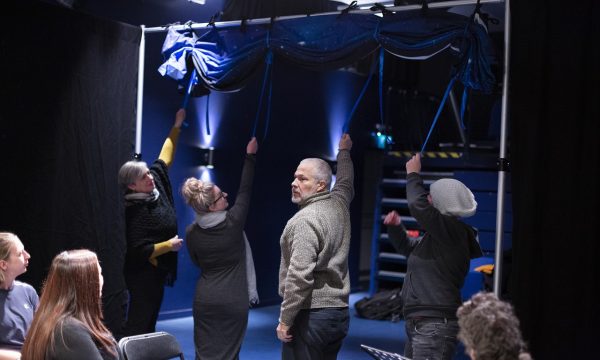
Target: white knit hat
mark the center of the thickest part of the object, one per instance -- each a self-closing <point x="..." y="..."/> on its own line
<point x="451" y="197"/>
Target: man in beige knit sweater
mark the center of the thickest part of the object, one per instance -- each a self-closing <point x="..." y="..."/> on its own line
<point x="313" y="274"/>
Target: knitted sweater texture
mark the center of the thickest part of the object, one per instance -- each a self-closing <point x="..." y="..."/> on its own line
<point x="152" y="223"/>
<point x="315" y="243"/>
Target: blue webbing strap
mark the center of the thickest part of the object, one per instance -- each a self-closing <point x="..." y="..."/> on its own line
<point x="268" y="60"/>
<point x="463" y="107"/>
<point x="362" y="93"/>
<point x="381" y="59"/>
<point x="206" y="117"/>
<point x="439" y="111"/>
<point x="465" y="94"/>
<point x="269" y="103"/>
<point x="188" y="91"/>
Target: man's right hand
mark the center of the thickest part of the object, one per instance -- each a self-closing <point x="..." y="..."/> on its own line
<point x="283" y="333"/>
<point x="345" y="142"/>
<point x="392" y="219"/>
<point x="252" y="147"/>
<point x="414" y="164"/>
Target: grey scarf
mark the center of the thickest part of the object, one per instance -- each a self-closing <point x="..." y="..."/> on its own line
<point x="207" y="220"/>
<point x="133" y="198"/>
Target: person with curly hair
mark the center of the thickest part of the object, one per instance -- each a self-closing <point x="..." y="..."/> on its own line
<point x="489" y="329"/>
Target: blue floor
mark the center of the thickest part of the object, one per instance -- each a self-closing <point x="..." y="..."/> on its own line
<point x="262" y="344"/>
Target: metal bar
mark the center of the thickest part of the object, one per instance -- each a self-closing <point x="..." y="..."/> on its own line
<point x="456" y="113"/>
<point x="365" y="10"/>
<point x="140" y="94"/>
<point x="433" y="5"/>
<point x="501" y="172"/>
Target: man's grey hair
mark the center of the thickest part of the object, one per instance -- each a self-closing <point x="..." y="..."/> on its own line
<point x="130" y="172"/>
<point x="322" y="170"/>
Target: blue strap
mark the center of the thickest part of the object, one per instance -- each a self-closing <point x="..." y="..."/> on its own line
<point x="269" y="105"/>
<point x="381" y="58"/>
<point x="268" y="60"/>
<point x="206" y="117"/>
<point x="439" y="111"/>
<point x="362" y="92"/>
<point x="463" y="107"/>
<point x="188" y="91"/>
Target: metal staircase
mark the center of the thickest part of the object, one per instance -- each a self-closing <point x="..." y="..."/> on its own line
<point x="388" y="268"/>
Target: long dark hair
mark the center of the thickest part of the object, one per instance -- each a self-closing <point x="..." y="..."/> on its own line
<point x="72" y="289"/>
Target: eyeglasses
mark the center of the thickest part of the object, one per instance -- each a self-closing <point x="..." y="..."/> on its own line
<point x="223" y="195"/>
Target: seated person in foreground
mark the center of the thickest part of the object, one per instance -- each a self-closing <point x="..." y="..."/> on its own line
<point x="68" y="323"/>
<point x="18" y="300"/>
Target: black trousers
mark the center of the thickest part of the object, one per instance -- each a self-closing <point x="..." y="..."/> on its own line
<point x="146" y="290"/>
<point x="317" y="334"/>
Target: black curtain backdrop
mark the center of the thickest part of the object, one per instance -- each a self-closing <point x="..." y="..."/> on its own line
<point x="67" y="120"/>
<point x="554" y="113"/>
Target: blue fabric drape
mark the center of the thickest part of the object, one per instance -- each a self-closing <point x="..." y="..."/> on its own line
<point x="227" y="58"/>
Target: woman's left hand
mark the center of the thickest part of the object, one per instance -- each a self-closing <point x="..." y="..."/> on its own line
<point x="176" y="243"/>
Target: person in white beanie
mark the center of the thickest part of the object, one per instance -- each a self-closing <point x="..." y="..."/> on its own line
<point x="437" y="262"/>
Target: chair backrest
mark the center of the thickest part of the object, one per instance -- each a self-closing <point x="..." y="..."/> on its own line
<point x="152" y="346"/>
<point x="382" y="355"/>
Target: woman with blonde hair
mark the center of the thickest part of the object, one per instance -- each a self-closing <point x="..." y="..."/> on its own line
<point x="217" y="244"/>
<point x="68" y="322"/>
<point x="18" y="300"/>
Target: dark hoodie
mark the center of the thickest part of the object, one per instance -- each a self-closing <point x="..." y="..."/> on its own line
<point x="438" y="262"/>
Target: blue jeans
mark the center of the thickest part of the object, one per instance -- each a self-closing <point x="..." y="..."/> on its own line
<point x="317" y="334"/>
<point x="431" y="338"/>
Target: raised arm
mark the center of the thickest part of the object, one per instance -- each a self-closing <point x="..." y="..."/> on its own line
<point x="344" y="184"/>
<point x="242" y="200"/>
<point x="402" y="243"/>
<point x="167" y="153"/>
<point x="417" y="196"/>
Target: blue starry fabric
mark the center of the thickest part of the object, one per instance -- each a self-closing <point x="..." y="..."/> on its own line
<point x="226" y="58"/>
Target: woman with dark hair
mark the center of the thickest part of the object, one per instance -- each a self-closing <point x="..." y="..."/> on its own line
<point x="68" y="322"/>
<point x="152" y="241"/>
<point x="18" y="300"/>
<point x="217" y="244"/>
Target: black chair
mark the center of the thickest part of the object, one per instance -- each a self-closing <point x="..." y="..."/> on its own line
<point x="153" y="346"/>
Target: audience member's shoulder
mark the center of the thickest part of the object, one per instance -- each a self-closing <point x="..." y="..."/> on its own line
<point x="72" y="324"/>
<point x="24" y="286"/>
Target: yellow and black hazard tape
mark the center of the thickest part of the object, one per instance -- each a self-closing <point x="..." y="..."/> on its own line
<point x="428" y="154"/>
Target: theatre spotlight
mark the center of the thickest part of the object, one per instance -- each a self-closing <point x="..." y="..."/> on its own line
<point x="200" y="2"/>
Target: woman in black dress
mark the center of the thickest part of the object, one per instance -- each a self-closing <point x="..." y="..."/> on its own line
<point x="216" y="243"/>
